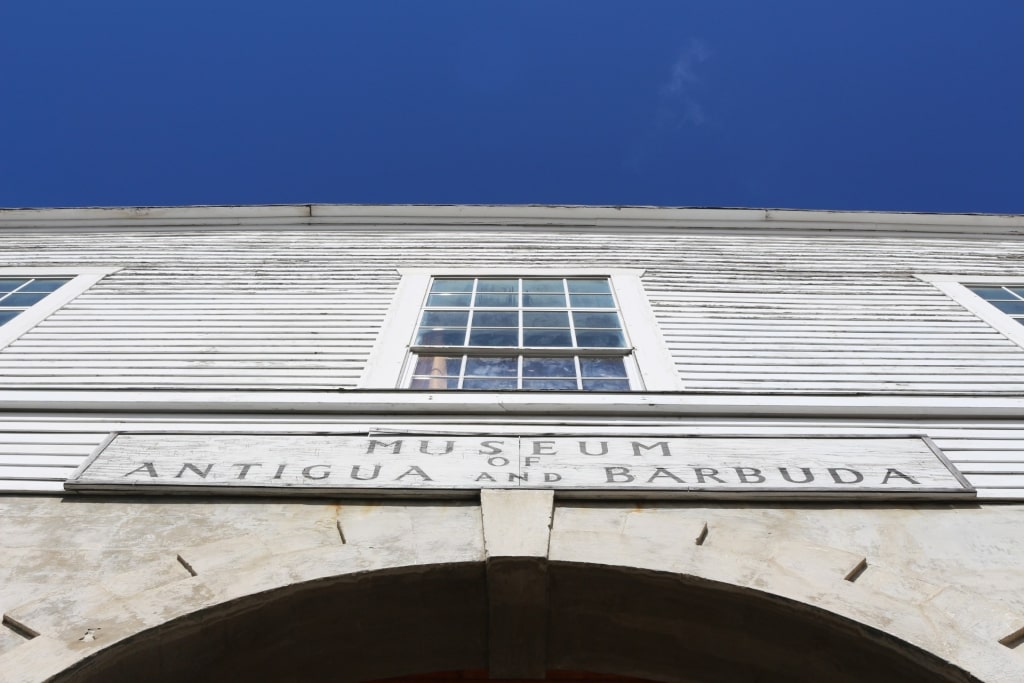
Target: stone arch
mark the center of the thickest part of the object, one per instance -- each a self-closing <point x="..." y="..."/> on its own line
<point x="414" y="619"/>
<point x="513" y="597"/>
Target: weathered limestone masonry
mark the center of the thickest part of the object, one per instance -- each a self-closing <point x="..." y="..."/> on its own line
<point x="212" y="469"/>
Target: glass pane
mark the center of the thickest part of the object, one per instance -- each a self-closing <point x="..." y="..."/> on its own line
<point x="1018" y="291"/>
<point x="7" y="315"/>
<point x="544" y="300"/>
<point x="470" y="383"/>
<point x="545" y="319"/>
<point x="498" y="286"/>
<point x="592" y="300"/>
<point x="489" y="336"/>
<point x="605" y="385"/>
<point x="44" y="285"/>
<point x="495" y="319"/>
<point x="549" y="367"/>
<point x="1006" y="306"/>
<point x="602" y="367"/>
<point x="549" y="286"/>
<point x="589" y="287"/>
<point x="550" y="384"/>
<point x="434" y="383"/>
<point x="445" y="318"/>
<point x="538" y="337"/>
<point x="20" y="299"/>
<point x="441" y="337"/>
<point x="610" y="320"/>
<point x="10" y="285"/>
<point x="452" y="285"/>
<point x="492" y="367"/>
<point x="448" y="300"/>
<point x="991" y="293"/>
<point x="497" y="300"/>
<point x="604" y="338"/>
<point x="438" y="365"/>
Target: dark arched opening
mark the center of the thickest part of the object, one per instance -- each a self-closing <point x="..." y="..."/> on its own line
<point x="611" y="620"/>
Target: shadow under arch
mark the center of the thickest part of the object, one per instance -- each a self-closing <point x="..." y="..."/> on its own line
<point x="604" y="619"/>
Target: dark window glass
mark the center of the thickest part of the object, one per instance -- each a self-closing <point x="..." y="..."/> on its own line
<point x="544" y="300"/>
<point x="498" y="286"/>
<point x="549" y="367"/>
<point x="605" y="385"/>
<point x="608" y="366"/>
<point x="452" y="285"/>
<point x="473" y="383"/>
<point x="545" y="319"/>
<point x="550" y="384"/>
<point x="489" y="336"/>
<point x="445" y="318"/>
<point x="439" y="383"/>
<point x="492" y="367"/>
<point x="600" y="339"/>
<point x="495" y="319"/>
<point x="542" y="337"/>
<point x="543" y="286"/>
<point x="585" y="319"/>
<point x="592" y="300"/>
<point x="497" y="300"/>
<point x="46" y="285"/>
<point x="1005" y="306"/>
<point x="11" y="285"/>
<point x="589" y="287"/>
<point x="438" y="365"/>
<point x="445" y="300"/>
<point x="441" y="337"/>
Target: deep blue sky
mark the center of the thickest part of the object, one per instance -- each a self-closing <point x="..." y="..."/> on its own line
<point x="874" y="104"/>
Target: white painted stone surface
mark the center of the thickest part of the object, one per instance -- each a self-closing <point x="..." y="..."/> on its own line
<point x="945" y="578"/>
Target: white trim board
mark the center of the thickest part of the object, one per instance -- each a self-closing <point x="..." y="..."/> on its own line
<point x="955" y="286"/>
<point x="484" y="217"/>
<point x="569" y="405"/>
<point x="82" y="279"/>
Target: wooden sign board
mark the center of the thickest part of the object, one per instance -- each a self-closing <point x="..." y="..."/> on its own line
<point x="796" y="467"/>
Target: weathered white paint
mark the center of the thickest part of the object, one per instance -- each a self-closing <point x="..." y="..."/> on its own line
<point x="65" y="441"/>
<point x="762" y="312"/>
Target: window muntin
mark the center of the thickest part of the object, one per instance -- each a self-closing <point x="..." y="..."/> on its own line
<point x="17" y="295"/>
<point x="533" y="333"/>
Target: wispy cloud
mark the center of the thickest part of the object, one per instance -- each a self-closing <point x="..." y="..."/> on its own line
<point x="677" y="101"/>
<point x="676" y="105"/>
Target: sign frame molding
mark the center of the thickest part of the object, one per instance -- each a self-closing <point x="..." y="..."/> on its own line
<point x="966" y="491"/>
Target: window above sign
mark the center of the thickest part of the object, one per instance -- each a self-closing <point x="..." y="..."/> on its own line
<point x="29" y="295"/>
<point x="533" y="331"/>
<point x="521" y="333"/>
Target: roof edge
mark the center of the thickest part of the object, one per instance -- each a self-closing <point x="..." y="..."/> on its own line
<point x="481" y="216"/>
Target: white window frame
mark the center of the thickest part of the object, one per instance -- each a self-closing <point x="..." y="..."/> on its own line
<point x="81" y="280"/>
<point x="956" y="287"/>
<point x="388" y="360"/>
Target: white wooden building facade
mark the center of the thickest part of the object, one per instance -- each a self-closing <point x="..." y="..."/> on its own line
<point x="772" y="329"/>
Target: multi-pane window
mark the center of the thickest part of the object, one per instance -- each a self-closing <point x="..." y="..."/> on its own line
<point x="540" y="333"/>
<point x="1009" y="300"/>
<point x="20" y="294"/>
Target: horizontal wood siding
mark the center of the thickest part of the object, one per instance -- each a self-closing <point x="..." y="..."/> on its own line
<point x="302" y="309"/>
<point x="37" y="453"/>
